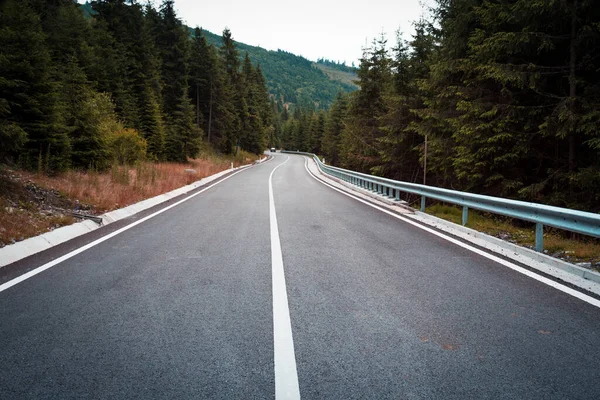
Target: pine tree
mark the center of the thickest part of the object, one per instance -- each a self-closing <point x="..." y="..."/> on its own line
<point x="514" y="87"/>
<point x="400" y="148"/>
<point x="215" y="93"/>
<point x="439" y="110"/>
<point x="264" y="109"/>
<point x="68" y="36"/>
<point x="317" y="129"/>
<point x="183" y="138"/>
<point x="29" y="97"/>
<point x="233" y="87"/>
<point x="147" y="82"/>
<point x="359" y="139"/>
<point x="127" y="51"/>
<point x="253" y="137"/>
<point x="274" y="137"/>
<point x="201" y="78"/>
<point x="334" y="124"/>
<point x="114" y="67"/>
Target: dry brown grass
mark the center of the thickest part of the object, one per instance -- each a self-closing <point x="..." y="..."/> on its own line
<point x="22" y="217"/>
<point x="18" y="224"/>
<point x="123" y="185"/>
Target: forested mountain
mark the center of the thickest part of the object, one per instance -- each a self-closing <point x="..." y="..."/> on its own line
<point x="507" y="94"/>
<point x="294" y="79"/>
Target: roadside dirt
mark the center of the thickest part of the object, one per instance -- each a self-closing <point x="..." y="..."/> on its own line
<point x="28" y="209"/>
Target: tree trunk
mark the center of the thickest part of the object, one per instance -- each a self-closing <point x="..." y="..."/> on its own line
<point x="572" y="84"/>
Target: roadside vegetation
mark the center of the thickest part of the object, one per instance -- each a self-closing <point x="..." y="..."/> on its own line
<point x="577" y="249"/>
<point x="33" y="203"/>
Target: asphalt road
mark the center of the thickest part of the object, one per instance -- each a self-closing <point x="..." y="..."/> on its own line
<point x="181" y="306"/>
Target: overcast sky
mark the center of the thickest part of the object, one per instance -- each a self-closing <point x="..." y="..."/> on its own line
<point x="336" y="30"/>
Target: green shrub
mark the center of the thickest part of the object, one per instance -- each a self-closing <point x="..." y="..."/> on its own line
<point x="127" y="146"/>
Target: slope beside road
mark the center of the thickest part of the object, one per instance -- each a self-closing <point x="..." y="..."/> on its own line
<point x="181" y="306"/>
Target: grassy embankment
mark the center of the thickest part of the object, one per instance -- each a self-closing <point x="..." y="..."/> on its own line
<point x="31" y="204"/>
<point x="575" y="249"/>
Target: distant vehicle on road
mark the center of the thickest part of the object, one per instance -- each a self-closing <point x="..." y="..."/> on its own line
<point x="273" y="150"/>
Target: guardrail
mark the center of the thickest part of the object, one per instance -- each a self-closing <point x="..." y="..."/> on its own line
<point x="582" y="222"/>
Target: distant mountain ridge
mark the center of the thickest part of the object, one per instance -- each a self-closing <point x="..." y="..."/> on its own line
<point x="294" y="79"/>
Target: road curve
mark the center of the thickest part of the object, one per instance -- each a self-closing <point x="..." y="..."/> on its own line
<point x="181" y="306"/>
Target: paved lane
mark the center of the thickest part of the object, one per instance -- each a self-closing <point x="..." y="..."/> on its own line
<point x="381" y="309"/>
<point x="180" y="306"/>
<point x="176" y="307"/>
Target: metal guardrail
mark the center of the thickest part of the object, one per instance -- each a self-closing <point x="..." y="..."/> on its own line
<point x="582" y="222"/>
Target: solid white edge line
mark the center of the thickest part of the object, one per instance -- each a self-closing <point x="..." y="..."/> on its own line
<point x="73" y="253"/>
<point x="524" y="271"/>
<point x="286" y="375"/>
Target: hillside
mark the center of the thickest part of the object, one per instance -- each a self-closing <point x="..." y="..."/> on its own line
<point x="336" y="74"/>
<point x="294" y="79"/>
<point x="291" y="78"/>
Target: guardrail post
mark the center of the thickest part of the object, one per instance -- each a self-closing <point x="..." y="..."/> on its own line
<point x="465" y="215"/>
<point x="422" y="203"/>
<point x="397" y="195"/>
<point x="539" y="237"/>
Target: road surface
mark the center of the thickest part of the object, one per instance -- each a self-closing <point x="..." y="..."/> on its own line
<point x="364" y="306"/>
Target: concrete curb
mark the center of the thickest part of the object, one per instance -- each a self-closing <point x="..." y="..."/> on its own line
<point x="567" y="272"/>
<point x="28" y="247"/>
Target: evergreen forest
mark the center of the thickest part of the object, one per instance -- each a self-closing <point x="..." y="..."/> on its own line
<point x="506" y="93"/>
<point x="118" y="81"/>
<point x="502" y="97"/>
